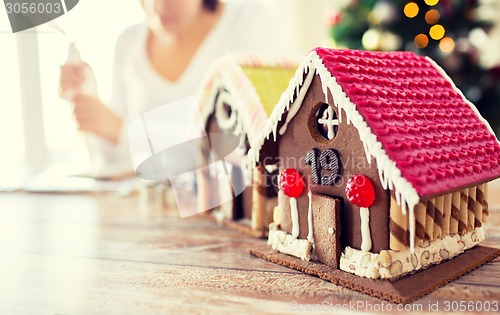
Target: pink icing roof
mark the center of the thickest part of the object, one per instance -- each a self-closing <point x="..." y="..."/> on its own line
<point x="425" y="126"/>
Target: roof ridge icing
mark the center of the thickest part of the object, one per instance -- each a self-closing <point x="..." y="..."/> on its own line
<point x="227" y="72"/>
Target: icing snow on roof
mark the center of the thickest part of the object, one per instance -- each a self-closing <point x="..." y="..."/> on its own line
<point x="425" y="125"/>
<point x="237" y="79"/>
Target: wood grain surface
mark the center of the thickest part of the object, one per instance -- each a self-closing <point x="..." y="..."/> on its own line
<point x="106" y="254"/>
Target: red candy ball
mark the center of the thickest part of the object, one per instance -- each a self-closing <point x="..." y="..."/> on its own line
<point x="291" y="183"/>
<point x="359" y="191"/>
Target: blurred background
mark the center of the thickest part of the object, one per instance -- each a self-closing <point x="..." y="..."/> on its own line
<point x="463" y="36"/>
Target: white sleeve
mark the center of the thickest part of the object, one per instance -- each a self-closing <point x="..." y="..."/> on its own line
<point x="117" y="101"/>
<point x="115" y="159"/>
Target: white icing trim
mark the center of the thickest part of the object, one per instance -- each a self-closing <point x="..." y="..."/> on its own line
<point x="271" y="167"/>
<point x="294" y="109"/>
<point x="366" y="240"/>
<point x="226" y="122"/>
<point x="391" y="264"/>
<point x="310" y="236"/>
<point x="412" y="229"/>
<point x="287" y="244"/>
<point x="406" y="195"/>
<point x="227" y="73"/>
<point x="295" y="217"/>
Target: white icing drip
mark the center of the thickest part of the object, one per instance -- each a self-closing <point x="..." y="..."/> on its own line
<point x="403" y="205"/>
<point x="367" y="153"/>
<point x="412" y="231"/>
<point x="297" y="103"/>
<point x="324" y="87"/>
<point x="310" y="219"/>
<point x="382" y="179"/>
<point x="295" y="217"/>
<point x="366" y="240"/>
<point x="297" y="90"/>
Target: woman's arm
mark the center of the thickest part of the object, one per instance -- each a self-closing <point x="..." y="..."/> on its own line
<point x="95" y="117"/>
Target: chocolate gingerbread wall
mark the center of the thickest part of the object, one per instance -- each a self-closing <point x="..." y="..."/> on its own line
<point x="302" y="136"/>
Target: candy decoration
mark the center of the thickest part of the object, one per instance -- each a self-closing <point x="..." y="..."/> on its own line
<point x="292" y="185"/>
<point x="360" y="192"/>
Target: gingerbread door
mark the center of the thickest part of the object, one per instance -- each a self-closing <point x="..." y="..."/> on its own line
<point x="326" y="229"/>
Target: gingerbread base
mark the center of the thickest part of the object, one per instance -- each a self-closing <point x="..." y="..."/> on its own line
<point x="244" y="229"/>
<point x="403" y="291"/>
<point x="238" y="226"/>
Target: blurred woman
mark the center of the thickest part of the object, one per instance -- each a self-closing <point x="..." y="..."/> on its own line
<point x="164" y="59"/>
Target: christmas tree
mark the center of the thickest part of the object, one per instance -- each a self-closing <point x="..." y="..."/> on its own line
<point x="456" y="34"/>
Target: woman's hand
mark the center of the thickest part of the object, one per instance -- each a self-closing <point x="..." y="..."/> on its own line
<point x="72" y="78"/>
<point x="95" y="117"/>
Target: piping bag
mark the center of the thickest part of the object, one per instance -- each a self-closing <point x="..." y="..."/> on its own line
<point x="88" y="87"/>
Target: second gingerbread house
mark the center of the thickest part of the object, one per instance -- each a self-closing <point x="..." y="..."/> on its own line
<point x="237" y="95"/>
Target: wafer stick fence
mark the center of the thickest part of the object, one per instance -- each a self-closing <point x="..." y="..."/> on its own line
<point x="459" y="212"/>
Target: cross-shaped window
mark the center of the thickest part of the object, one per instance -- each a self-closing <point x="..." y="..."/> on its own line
<point x="328" y="122"/>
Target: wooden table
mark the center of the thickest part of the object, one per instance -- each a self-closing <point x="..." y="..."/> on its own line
<point x="105" y="254"/>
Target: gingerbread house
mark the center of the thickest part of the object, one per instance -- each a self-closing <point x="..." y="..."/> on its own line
<point x="236" y="96"/>
<point x="383" y="165"/>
